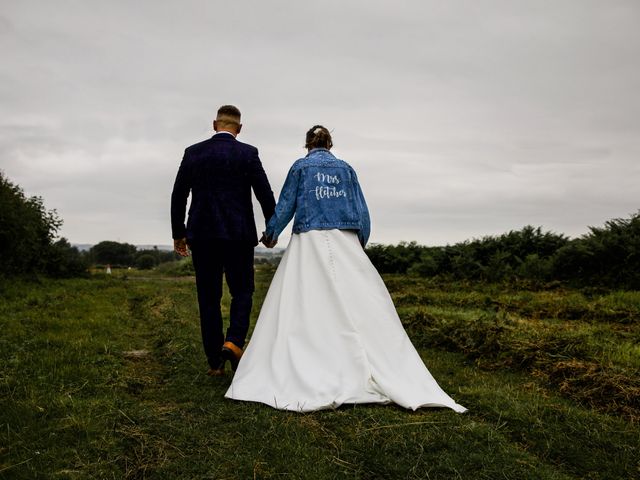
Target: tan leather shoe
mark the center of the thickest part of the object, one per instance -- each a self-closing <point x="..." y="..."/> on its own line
<point x="233" y="353"/>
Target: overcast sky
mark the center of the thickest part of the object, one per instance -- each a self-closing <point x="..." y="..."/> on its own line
<point x="462" y="118"/>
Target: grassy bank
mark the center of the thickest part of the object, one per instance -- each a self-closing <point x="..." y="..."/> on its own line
<point x="585" y="345"/>
<point x="105" y="378"/>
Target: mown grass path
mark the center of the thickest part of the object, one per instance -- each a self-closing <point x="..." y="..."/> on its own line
<point x="105" y="378"/>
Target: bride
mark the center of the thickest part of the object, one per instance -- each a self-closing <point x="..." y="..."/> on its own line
<point x="328" y="332"/>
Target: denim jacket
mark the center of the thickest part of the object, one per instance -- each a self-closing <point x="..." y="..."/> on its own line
<point x="324" y="193"/>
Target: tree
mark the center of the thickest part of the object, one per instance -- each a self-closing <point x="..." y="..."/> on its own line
<point x="65" y="261"/>
<point x="157" y="255"/>
<point x="27" y="230"/>
<point x="145" y="261"/>
<point x="113" y="253"/>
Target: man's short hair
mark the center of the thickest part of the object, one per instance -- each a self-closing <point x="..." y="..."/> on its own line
<point x="228" y="114"/>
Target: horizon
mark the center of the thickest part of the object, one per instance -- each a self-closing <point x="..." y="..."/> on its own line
<point x="282" y="246"/>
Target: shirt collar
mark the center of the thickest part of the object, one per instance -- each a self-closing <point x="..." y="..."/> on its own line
<point x="224" y="131"/>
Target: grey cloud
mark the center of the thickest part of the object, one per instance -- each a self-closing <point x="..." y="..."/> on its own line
<point x="462" y="118"/>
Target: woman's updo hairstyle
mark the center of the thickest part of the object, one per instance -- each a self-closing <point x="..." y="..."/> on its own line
<point x="318" y="137"/>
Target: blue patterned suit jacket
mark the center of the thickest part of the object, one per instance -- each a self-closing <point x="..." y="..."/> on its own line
<point x="220" y="173"/>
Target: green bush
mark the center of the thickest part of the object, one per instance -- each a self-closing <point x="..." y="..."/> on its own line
<point x="27" y="230"/>
<point x="394" y="259"/>
<point x="607" y="257"/>
<point x="178" y="268"/>
<point x="145" y="261"/>
<point x="113" y="253"/>
<point x="65" y="261"/>
<point x="536" y="268"/>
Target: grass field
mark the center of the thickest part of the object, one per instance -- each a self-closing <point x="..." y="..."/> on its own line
<point x="105" y="378"/>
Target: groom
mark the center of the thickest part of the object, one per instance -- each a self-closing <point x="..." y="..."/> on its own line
<point x="221" y="232"/>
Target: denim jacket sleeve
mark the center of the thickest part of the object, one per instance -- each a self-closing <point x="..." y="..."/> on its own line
<point x="286" y="205"/>
<point x="365" y="230"/>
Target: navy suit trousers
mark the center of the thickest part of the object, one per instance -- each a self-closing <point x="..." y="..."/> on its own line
<point x="211" y="259"/>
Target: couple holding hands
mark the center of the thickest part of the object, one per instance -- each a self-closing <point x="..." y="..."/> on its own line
<point x="328" y="333"/>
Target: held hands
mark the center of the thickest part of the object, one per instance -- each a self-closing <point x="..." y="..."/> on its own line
<point x="180" y="247"/>
<point x="267" y="242"/>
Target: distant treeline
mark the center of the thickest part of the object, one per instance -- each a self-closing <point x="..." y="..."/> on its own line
<point x="28" y="242"/>
<point x="125" y="255"/>
<point x="607" y="256"/>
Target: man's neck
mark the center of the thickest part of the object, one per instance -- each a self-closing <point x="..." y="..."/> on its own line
<point x="218" y="132"/>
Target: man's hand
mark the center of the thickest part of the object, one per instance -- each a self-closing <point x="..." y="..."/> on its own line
<point x="180" y="247"/>
<point x="267" y="242"/>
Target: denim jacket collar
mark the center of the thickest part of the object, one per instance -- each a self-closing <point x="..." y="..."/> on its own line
<point x="319" y="149"/>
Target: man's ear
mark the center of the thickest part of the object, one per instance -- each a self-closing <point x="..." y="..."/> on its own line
<point x="239" y="128"/>
<point x="215" y="125"/>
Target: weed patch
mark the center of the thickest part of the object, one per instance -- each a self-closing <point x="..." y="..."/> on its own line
<point x="562" y="357"/>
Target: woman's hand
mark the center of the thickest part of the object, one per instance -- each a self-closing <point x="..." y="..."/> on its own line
<point x="267" y="242"/>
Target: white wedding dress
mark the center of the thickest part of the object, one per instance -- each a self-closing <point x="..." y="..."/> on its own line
<point x="328" y="334"/>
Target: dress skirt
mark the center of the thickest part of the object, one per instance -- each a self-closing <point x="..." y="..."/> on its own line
<point x="329" y="334"/>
